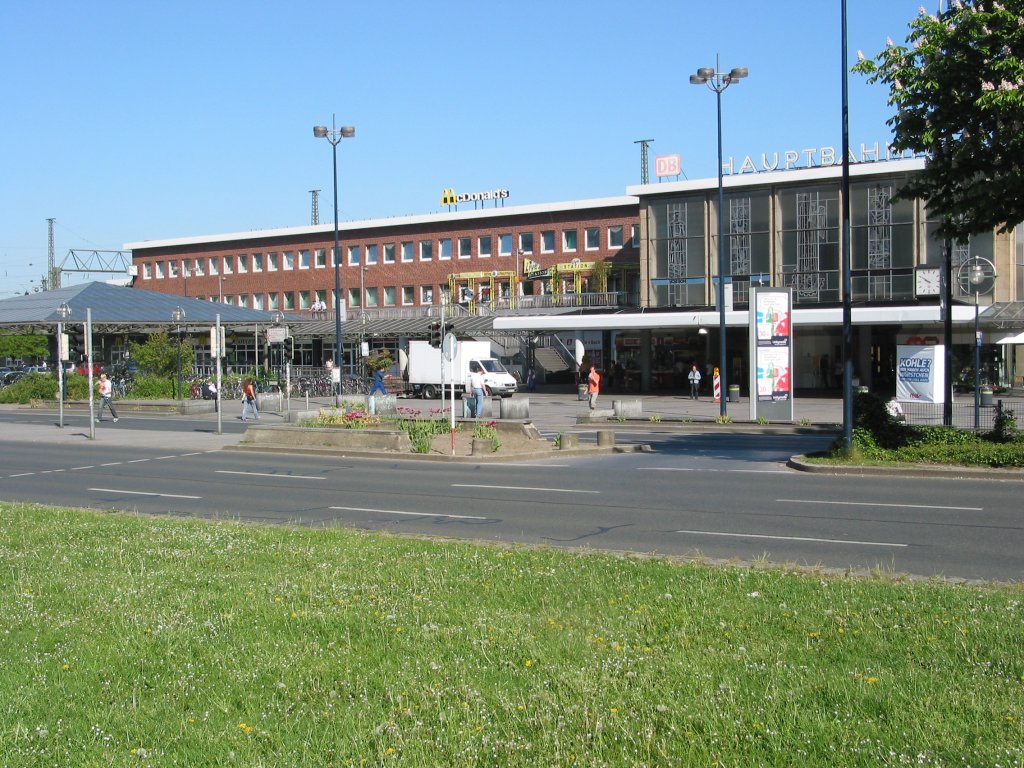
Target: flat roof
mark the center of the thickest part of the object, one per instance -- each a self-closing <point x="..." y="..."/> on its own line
<point x="791" y="176"/>
<point x="392" y="221"/>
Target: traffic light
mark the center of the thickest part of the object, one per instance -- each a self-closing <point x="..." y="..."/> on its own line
<point x="435" y="334"/>
<point x="76" y="339"/>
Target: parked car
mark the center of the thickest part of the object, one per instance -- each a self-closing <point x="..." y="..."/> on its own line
<point x="36" y="369"/>
<point x="6" y="379"/>
<point x="83" y="368"/>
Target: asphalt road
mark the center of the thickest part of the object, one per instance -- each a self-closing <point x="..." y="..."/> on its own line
<point x="698" y="493"/>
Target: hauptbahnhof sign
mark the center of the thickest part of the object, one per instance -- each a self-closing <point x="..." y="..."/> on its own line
<point x="820" y="157"/>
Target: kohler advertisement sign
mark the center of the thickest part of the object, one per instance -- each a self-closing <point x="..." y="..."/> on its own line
<point x="920" y="375"/>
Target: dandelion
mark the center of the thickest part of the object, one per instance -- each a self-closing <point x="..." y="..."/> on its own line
<point x="245" y="728"/>
<point x="529" y="663"/>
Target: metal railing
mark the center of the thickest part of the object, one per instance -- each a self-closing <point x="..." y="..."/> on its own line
<point x="930" y="414"/>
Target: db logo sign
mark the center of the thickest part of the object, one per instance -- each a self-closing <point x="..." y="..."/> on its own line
<point x="668" y="165"/>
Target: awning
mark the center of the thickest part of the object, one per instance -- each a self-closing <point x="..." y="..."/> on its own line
<point x="1018" y="339"/>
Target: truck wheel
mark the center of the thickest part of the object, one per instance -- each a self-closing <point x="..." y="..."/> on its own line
<point x="429" y="392"/>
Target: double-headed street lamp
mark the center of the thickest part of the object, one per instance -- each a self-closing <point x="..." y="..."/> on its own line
<point x="718" y="81"/>
<point x="177" y="317"/>
<point x="335" y="135"/>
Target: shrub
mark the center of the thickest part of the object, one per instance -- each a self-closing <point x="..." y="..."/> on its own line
<point x="148" y="387"/>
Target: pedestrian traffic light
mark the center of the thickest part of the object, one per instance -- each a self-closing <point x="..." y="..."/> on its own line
<point x="435" y="334"/>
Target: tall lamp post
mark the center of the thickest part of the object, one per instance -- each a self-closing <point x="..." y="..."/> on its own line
<point x="718" y="81"/>
<point x="63" y="314"/>
<point x="334" y="136"/>
<point x="177" y="316"/>
<point x="977" y="276"/>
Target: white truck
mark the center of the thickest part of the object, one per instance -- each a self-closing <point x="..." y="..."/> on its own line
<point x="424" y="372"/>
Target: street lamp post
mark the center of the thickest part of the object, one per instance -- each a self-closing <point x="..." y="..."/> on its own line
<point x="177" y="316"/>
<point x="63" y="313"/>
<point x="977" y="276"/>
<point x="334" y="136"/>
<point x="718" y="81"/>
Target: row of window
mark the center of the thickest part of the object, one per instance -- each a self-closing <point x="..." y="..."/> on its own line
<point x="388" y="253"/>
<point x="300" y="301"/>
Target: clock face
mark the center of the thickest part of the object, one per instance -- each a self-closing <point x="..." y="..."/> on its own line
<point x="927" y="281"/>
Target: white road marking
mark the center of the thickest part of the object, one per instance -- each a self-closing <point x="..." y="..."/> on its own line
<point x="74" y="468"/>
<point x="414" y="514"/>
<point x="880" y="504"/>
<point x="267" y="474"/>
<point x="23" y="474"/>
<point x="145" y="493"/>
<point x="520" y="488"/>
<point x="796" y="538"/>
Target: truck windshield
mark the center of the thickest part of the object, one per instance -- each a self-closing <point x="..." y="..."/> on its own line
<point x="493" y="366"/>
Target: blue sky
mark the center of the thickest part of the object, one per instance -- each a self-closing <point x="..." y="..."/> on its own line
<point x="129" y="121"/>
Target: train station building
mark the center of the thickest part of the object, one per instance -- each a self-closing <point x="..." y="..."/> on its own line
<point x="630" y="280"/>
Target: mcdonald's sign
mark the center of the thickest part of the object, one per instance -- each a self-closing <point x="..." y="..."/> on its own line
<point x="450" y="197"/>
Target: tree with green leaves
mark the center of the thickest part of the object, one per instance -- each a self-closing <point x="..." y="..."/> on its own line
<point x="24" y="347"/>
<point x="956" y="87"/>
<point x="159" y="355"/>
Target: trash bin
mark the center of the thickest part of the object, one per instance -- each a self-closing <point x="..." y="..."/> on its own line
<point x="581" y="391"/>
<point x="734" y="393"/>
<point x="986" y="396"/>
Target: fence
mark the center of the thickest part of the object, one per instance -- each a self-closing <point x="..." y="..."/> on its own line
<point x="963" y="414"/>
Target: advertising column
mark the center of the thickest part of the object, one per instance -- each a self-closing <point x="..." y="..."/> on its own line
<point x="771" y="354"/>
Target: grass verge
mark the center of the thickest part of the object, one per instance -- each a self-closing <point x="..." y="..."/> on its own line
<point x="135" y="641"/>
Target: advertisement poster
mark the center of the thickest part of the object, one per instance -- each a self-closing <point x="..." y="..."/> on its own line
<point x="920" y="376"/>
<point x="773" y="319"/>
<point x="773" y="375"/>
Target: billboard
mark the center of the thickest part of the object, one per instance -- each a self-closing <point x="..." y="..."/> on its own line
<point x="771" y="353"/>
<point x="920" y="374"/>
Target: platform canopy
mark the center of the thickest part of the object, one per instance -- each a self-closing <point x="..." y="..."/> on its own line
<point x="117" y="309"/>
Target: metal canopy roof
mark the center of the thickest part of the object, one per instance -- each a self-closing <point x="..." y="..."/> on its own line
<point x="370" y="327"/>
<point x="116" y="309"/>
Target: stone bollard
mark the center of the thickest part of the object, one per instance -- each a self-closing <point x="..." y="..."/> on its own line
<point x="514" y="408"/>
<point x="481" y="447"/>
<point x="605" y="438"/>
<point x="268" y="401"/>
<point x="628" y="408"/>
<point x="569" y="441"/>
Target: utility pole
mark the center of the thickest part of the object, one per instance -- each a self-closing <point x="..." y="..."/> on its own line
<point x="644" y="175"/>
<point x="53" y="276"/>
<point x="315" y="216"/>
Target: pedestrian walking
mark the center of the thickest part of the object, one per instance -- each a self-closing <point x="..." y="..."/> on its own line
<point x="531" y="381"/>
<point x="694" y="378"/>
<point x="593" y="387"/>
<point x="479" y="390"/>
<point x="249" y="400"/>
<point x="106" y="392"/>
<point x="378" y="383"/>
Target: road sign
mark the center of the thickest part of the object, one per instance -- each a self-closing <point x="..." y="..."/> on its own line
<point x="450" y="346"/>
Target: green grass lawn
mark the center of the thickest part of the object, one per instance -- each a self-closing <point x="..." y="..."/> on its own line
<point x="137" y="641"/>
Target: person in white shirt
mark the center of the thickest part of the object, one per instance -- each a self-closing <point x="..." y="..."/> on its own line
<point x="106" y="392"/>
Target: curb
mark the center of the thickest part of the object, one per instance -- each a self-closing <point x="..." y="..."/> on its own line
<point x="908" y="470"/>
<point x="494" y="458"/>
